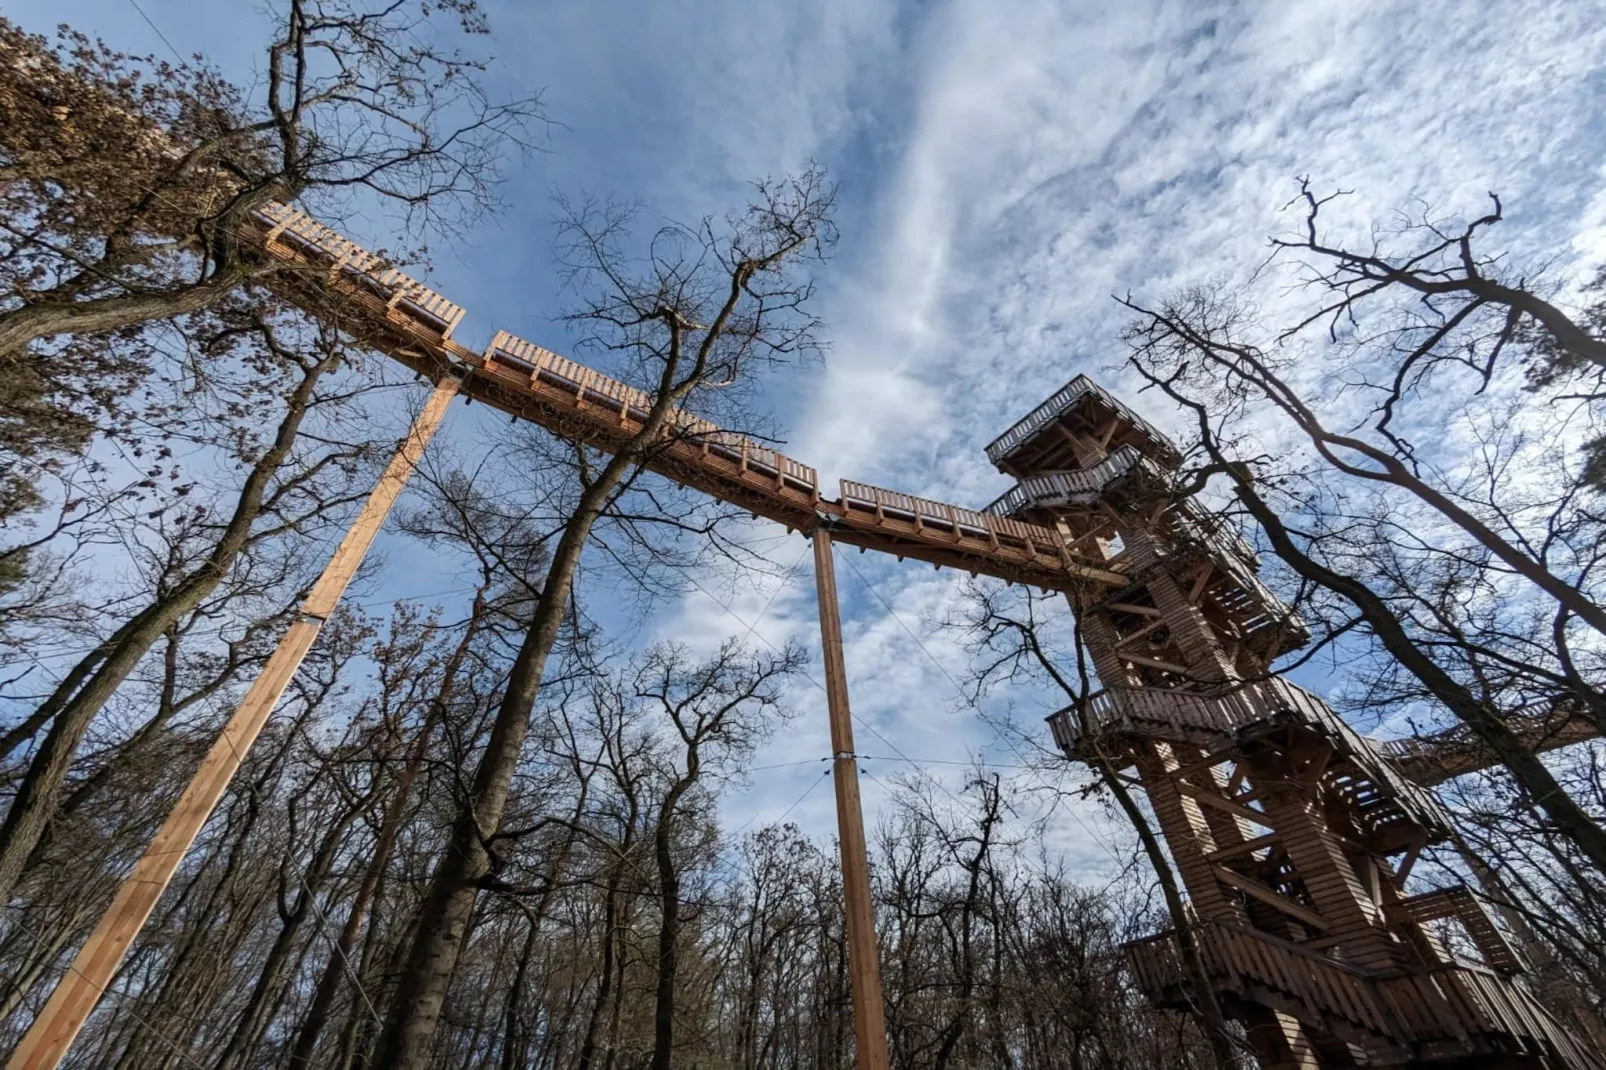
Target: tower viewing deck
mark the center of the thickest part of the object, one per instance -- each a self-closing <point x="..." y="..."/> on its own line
<point x="1294" y="834"/>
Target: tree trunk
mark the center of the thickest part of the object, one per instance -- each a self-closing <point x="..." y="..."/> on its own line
<point x="599" y="1007"/>
<point x="28" y="324"/>
<point x="339" y="961"/>
<point x="663" y="1013"/>
<point x="73" y="707"/>
<point x="449" y="902"/>
<point x="512" y="1027"/>
<point x="253" y="1021"/>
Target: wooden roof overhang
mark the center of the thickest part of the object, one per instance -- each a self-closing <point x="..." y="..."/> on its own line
<point x="1042" y="440"/>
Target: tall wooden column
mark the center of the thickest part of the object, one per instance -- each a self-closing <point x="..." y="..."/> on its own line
<point x="86" y="979"/>
<point x="864" y="967"/>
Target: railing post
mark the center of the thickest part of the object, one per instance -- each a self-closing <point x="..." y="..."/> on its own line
<point x="77" y="993"/>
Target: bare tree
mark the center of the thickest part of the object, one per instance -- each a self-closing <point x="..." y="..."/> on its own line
<point x="720" y="710"/>
<point x="127" y="192"/>
<point x="284" y="490"/>
<point x="1010" y="641"/>
<point x="1472" y="575"/>
<point x="709" y="310"/>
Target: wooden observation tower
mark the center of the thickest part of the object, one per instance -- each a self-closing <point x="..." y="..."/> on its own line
<point x="1293" y="833"/>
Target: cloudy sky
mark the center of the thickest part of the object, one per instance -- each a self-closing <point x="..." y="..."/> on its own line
<point x="1004" y="169"/>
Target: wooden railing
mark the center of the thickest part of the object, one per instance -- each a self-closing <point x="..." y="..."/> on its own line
<point x="1234" y="955"/>
<point x="1081" y="487"/>
<point x="928" y="522"/>
<point x="1458" y="1001"/>
<point x="1064" y="398"/>
<point x="398" y="290"/>
<point x="412" y="323"/>
<point x="953" y="519"/>
<point x="591" y="387"/>
<point x="1455" y="1002"/>
<point x="1247" y="704"/>
<point x="1455" y="751"/>
<point x="1194" y="717"/>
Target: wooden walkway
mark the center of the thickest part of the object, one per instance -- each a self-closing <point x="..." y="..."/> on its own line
<point x="404" y="319"/>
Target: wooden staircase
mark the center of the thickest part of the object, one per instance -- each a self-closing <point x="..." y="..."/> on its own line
<point x="1294" y="834"/>
<point x="1442" y="1014"/>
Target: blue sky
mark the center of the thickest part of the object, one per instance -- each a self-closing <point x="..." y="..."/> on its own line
<point x="1004" y="169"/>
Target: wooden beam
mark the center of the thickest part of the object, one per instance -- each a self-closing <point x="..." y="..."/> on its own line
<point x="1153" y="663"/>
<point x="869" y="1024"/>
<point x="1128" y="607"/>
<point x="70" y="1005"/>
<point x="1271" y="897"/>
<point x="1403" y="873"/>
<point x="1247" y="847"/>
<point x="1140" y="633"/>
<point x="1210" y="798"/>
<point x="1210" y="760"/>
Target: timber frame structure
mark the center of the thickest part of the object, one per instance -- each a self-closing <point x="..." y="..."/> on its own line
<point x="1293" y="833"/>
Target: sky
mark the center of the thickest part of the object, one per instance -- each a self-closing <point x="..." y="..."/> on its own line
<point x="1004" y="169"/>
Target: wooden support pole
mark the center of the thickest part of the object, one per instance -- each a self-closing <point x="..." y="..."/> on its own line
<point x="869" y="1024"/>
<point x="76" y="994"/>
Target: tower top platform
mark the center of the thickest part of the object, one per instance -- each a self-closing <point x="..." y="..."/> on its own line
<point x="1046" y="439"/>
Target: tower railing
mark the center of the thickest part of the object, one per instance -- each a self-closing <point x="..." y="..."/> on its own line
<point x="1456" y="1001"/>
<point x="1218" y="719"/>
<point x="953" y="519"/>
<point x="1075" y="487"/>
<point x="1062" y="400"/>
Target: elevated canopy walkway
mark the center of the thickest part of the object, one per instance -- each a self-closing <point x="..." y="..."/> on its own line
<point x="411" y="323"/>
<point x="1335" y="805"/>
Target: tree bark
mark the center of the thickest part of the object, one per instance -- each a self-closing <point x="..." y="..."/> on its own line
<point x="663" y="1011"/>
<point x="30" y="323"/>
